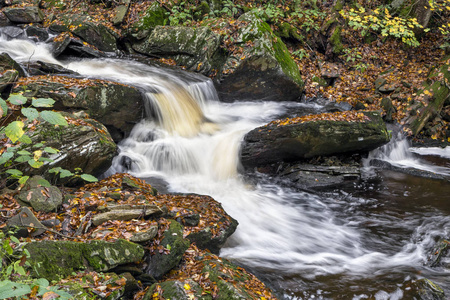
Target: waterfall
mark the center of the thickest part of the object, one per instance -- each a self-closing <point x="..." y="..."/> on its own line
<point x="349" y="246"/>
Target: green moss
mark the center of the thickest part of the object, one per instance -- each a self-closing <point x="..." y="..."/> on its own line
<point x="153" y="16"/>
<point x="336" y="40"/>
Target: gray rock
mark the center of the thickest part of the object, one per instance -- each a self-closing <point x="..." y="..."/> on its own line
<point x="45" y="199"/>
<point x="4" y="21"/>
<point x="126" y="213"/>
<point x="119" y="14"/>
<point x="27" y="14"/>
<point x="440" y="255"/>
<point x="40" y="34"/>
<point x="13" y="32"/>
<point x="389" y="108"/>
<point x="275" y="142"/>
<point x="26" y="222"/>
<point x="145" y="236"/>
<point x="160" y="263"/>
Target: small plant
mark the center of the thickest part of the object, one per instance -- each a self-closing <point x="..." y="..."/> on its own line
<point x="301" y="53"/>
<point x="20" y="148"/>
<point x="351" y="55"/>
<point x="381" y="21"/>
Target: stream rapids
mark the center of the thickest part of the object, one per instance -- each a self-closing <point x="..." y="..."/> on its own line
<point x="369" y="240"/>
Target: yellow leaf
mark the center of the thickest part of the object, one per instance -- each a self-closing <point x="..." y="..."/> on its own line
<point x="434" y="137"/>
<point x="37" y="154"/>
<point x="187" y="286"/>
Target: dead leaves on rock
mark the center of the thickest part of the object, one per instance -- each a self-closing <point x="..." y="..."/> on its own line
<point x="346" y="116"/>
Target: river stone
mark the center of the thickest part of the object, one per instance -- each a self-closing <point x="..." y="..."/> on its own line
<point x="195" y="48"/>
<point x="160" y="263"/>
<point x="264" y="70"/>
<point x="84" y="144"/>
<point x="155" y="15"/>
<point x="55" y="259"/>
<point x="7" y="63"/>
<point x="425" y="289"/>
<point x="115" y="105"/>
<point x="45" y="199"/>
<point x="126" y="213"/>
<point x="144" y="236"/>
<point x="40" y="34"/>
<point x="25" y="220"/>
<point x="274" y="143"/>
<point x="440" y="255"/>
<point x="7" y="78"/>
<point x="28" y="14"/>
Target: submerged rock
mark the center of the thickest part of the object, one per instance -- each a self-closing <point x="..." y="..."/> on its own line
<point x="290" y="141"/>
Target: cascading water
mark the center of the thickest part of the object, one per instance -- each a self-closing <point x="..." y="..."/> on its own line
<point x="368" y="242"/>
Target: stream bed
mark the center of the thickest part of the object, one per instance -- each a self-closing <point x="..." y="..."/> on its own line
<point x="367" y="240"/>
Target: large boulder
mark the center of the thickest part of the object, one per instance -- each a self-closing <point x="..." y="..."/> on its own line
<point x="263" y="69"/>
<point x="55" y="259"/>
<point x="148" y="19"/>
<point x="7" y="63"/>
<point x="291" y="140"/>
<point x="84" y="143"/>
<point x="27" y="14"/>
<point x="115" y="105"/>
<point x="195" y="48"/>
<point x="90" y="31"/>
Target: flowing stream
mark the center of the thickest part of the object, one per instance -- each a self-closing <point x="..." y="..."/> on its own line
<point x="366" y="241"/>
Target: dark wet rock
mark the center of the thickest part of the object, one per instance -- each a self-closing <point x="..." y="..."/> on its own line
<point x="24" y="222"/>
<point x="4" y="21"/>
<point x="84" y="144"/>
<point x="7" y="63"/>
<point x="275" y="142"/>
<point x="440" y="255"/>
<point x="39" y="34"/>
<point x="389" y="108"/>
<point x="424" y="289"/>
<point x="195" y="48"/>
<point x="265" y="70"/>
<point x="411" y="171"/>
<point x="55" y="259"/>
<point x="160" y="263"/>
<point x="115" y="105"/>
<point x="24" y="15"/>
<point x="84" y="51"/>
<point x="333" y="106"/>
<point x="49" y="68"/>
<point x="379" y="82"/>
<point x="60" y="44"/>
<point x="7" y="78"/>
<point x="308" y="176"/>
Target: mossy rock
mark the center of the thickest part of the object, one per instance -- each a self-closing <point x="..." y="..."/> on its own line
<point x="57" y="259"/>
<point x="294" y="141"/>
<point x="197" y="49"/>
<point x="7" y="63"/>
<point x="264" y="70"/>
<point x="160" y="263"/>
<point x="154" y="16"/>
<point x="177" y="289"/>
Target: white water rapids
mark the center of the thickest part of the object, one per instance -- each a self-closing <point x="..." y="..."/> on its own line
<point x="192" y="142"/>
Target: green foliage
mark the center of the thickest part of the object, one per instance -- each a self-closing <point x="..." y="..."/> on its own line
<point x="15" y="132"/>
<point x="14" y="279"/>
<point x="381" y="21"/>
<point x="352" y="55"/>
<point x="301" y="53"/>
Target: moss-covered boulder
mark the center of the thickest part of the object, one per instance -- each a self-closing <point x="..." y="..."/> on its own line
<point x="24" y="15"/>
<point x="203" y="275"/>
<point x="299" y="138"/>
<point x="197" y="49"/>
<point x="264" y="69"/>
<point x="56" y="259"/>
<point x="115" y="105"/>
<point x="7" y="78"/>
<point x="84" y="143"/>
<point x="162" y="262"/>
<point x="148" y="19"/>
